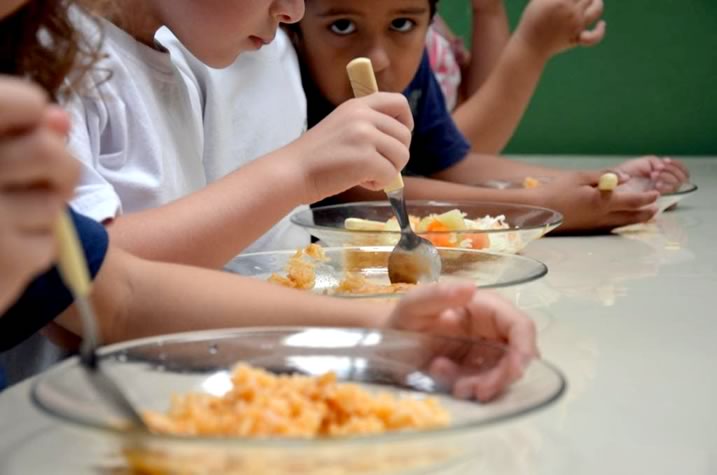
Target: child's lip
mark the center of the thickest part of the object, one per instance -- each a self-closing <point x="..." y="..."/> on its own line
<point x="264" y="40"/>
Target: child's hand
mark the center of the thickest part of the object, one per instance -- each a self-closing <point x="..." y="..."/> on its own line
<point x="460" y="311"/>
<point x="666" y="174"/>
<point x="551" y="26"/>
<point x="363" y="142"/>
<point x="585" y="208"/>
<point x="485" y="5"/>
<point x="37" y="176"/>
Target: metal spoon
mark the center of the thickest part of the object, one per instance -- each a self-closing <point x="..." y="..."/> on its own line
<point x="414" y="259"/>
<point x="73" y="269"/>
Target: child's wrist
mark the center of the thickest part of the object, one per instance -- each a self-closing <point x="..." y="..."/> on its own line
<point x="491" y="8"/>
<point x="289" y="172"/>
<point x="530" y="50"/>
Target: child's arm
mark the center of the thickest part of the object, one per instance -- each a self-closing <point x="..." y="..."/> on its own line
<point x="489" y="37"/>
<point x="364" y="142"/>
<point x="137" y="298"/>
<point x="574" y="194"/>
<point x="489" y="118"/>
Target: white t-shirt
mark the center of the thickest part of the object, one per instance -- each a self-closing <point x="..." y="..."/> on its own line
<point x="251" y="108"/>
<point x="137" y="129"/>
<point x="154" y="131"/>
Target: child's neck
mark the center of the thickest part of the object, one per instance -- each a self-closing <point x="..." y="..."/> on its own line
<point x="137" y="18"/>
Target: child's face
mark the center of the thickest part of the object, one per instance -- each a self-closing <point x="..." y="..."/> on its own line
<point x="217" y="31"/>
<point x="391" y="33"/>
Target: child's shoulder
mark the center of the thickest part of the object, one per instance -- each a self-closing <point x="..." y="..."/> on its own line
<point x="424" y="93"/>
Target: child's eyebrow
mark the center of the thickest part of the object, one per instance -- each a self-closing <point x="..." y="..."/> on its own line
<point x="348" y="11"/>
<point x="338" y="12"/>
<point x="410" y="11"/>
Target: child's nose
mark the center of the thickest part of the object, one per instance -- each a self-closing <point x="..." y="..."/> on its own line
<point x="379" y="58"/>
<point x="288" y="11"/>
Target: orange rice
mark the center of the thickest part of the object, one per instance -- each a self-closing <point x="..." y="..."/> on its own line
<point x="262" y="404"/>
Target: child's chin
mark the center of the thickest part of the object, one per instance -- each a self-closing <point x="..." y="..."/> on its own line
<point x="221" y="62"/>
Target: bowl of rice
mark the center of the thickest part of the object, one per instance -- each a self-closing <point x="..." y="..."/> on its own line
<point x="362" y="271"/>
<point x="294" y="401"/>
<point x="489" y="226"/>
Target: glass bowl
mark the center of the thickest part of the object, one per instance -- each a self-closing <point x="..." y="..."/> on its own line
<point x="153" y="369"/>
<point x="485" y="269"/>
<point x="668" y="200"/>
<point x="526" y="223"/>
<point x="528" y="182"/>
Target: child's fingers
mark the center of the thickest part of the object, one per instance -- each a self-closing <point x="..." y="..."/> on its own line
<point x="57" y="120"/>
<point x="486" y="386"/>
<point x="23" y="105"/>
<point x="392" y="104"/>
<point x="392" y="127"/>
<point x="624" y="218"/>
<point x="394" y="152"/>
<point x="512" y="325"/>
<point x="431" y="300"/>
<point x="679" y="172"/>
<point x="632" y="201"/>
<point x="679" y="165"/>
<point x="594" y="36"/>
<point x="667" y="178"/>
<point x="593" y="12"/>
<point x="581" y="5"/>
<point x="38" y="159"/>
<point x="33" y="211"/>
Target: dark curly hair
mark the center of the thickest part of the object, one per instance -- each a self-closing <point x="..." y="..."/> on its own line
<point x="39" y="42"/>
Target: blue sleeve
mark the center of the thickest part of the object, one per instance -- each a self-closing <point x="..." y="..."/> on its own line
<point x="47" y="297"/>
<point x="437" y="143"/>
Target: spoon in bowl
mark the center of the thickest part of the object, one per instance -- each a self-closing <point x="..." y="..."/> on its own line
<point x="414" y="259"/>
<point x="72" y="266"/>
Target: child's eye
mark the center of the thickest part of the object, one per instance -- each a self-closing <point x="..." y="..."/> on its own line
<point x="403" y="25"/>
<point x="343" y="27"/>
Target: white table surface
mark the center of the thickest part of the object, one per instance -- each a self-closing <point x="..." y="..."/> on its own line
<point x="630" y="321"/>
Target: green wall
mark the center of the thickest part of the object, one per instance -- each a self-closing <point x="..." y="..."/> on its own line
<point x="650" y="87"/>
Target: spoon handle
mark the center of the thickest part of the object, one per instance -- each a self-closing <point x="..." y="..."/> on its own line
<point x="72" y="266"/>
<point x="70" y="259"/>
<point x="363" y="83"/>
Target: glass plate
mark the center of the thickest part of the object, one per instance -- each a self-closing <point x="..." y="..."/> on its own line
<point x="485" y="269"/>
<point x="526" y="223"/>
<point x="668" y="200"/>
<point x="515" y="185"/>
<point x="153" y="369"/>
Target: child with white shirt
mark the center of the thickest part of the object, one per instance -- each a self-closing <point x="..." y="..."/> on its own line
<point x="251" y="108"/>
<point x="136" y="297"/>
<point x="150" y="138"/>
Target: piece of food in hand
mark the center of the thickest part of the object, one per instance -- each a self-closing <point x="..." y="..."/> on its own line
<point x="608" y="182"/>
<point x="530" y="182"/>
<point x="261" y="404"/>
